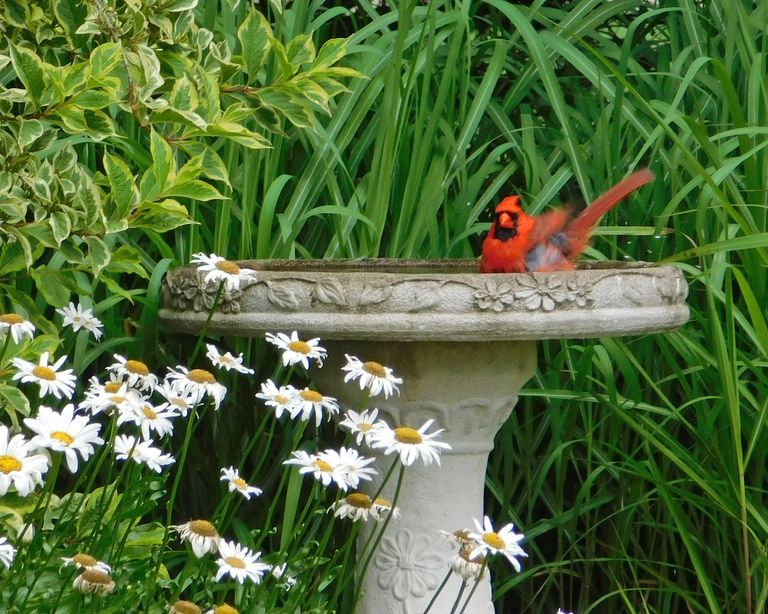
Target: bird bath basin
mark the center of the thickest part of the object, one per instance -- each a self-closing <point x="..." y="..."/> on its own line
<point x="464" y="344"/>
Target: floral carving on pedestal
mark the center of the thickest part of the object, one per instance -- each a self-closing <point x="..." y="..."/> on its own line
<point x="494" y="296"/>
<point x="541" y="293"/>
<point x="408" y="566"/>
<point x="187" y="291"/>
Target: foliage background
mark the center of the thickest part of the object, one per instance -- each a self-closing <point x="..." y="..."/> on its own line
<point x="635" y="466"/>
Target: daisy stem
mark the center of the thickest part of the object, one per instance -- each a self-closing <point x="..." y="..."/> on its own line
<point x="375" y="542"/>
<point x="474" y="587"/>
<point x="349" y="546"/>
<point x="438" y="591"/>
<point x="174" y="490"/>
<point x="458" y="597"/>
<point x="5" y="347"/>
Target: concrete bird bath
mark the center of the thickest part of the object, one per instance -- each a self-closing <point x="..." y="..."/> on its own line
<point x="464" y="343"/>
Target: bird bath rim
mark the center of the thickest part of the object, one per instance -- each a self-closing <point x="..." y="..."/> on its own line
<point x="428" y="300"/>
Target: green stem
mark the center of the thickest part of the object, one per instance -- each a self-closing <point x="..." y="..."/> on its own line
<point x="438" y="591"/>
<point x="458" y="597"/>
<point x="474" y="586"/>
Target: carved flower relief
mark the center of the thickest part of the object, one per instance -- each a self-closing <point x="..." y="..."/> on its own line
<point x="541" y="293"/>
<point x="579" y="293"/>
<point x="189" y="291"/>
<point x="494" y="297"/>
<point x="408" y="566"/>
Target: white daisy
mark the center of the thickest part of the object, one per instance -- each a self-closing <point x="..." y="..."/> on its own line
<point x="197" y="382"/>
<point x="77" y="317"/>
<point x="176" y="398"/>
<point x="227" y="360"/>
<point x="201" y="535"/>
<point x="362" y="425"/>
<point x="18" y="466"/>
<point x="218" y="269"/>
<point x="410" y="443"/>
<point x="355" y="506"/>
<point x="82" y="560"/>
<point x="95" y="582"/>
<point x="235" y="482"/>
<point x="372" y="375"/>
<point x="65" y="432"/>
<point x="469" y="569"/>
<point x="224" y="608"/>
<point x="306" y="402"/>
<point x="279" y="399"/>
<point x="110" y="397"/>
<point x="135" y="372"/>
<point x="16" y="325"/>
<point x="320" y="469"/>
<point x="349" y="461"/>
<point x="297" y="351"/>
<point x="7" y="553"/>
<point x="239" y="563"/>
<point x="504" y="541"/>
<point x="149" y="418"/>
<point x="559" y="611"/>
<point x="142" y="452"/>
<point x="59" y="383"/>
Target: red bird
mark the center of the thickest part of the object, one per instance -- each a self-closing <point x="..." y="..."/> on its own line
<point x="519" y="243"/>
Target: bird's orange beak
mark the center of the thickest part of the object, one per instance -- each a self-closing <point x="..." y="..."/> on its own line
<point x="505" y="220"/>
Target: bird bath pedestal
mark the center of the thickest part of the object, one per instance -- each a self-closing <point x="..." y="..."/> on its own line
<point x="464" y="344"/>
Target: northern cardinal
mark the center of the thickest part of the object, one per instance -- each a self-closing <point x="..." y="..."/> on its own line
<point x="519" y="243"/>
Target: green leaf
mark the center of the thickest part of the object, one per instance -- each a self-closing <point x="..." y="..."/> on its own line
<point x="239" y="134"/>
<point x="30" y="69"/>
<point x="300" y="50"/>
<point x="61" y="226"/>
<point x="98" y="254"/>
<point x="92" y="99"/>
<point x="124" y="192"/>
<point x="150" y="64"/>
<point x="70" y="14"/>
<point x="29" y="131"/>
<point x="175" y="116"/>
<point x="162" y="216"/>
<point x="14" y="399"/>
<point x="254" y="35"/>
<point x="195" y="189"/>
<point x="331" y="52"/>
<point x="54" y="286"/>
<point x="163" y="165"/>
<point x="126" y="259"/>
<point x="184" y="95"/>
<point x="104" y="59"/>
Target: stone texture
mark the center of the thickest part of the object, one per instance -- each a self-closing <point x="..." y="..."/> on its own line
<point x="430" y="300"/>
<point x="464" y="343"/>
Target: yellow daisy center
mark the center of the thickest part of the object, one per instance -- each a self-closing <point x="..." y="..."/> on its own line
<point x="235" y="562"/>
<point x="281" y="399"/>
<point x="311" y="396"/>
<point x="84" y="560"/>
<point x="180" y="403"/>
<point x="494" y="540"/>
<point x="374" y="368"/>
<point x="201" y="376"/>
<point x="461" y="535"/>
<point x="137" y="367"/>
<point x="405" y="434"/>
<point x="382" y="502"/>
<point x="116" y="399"/>
<point x="112" y="387"/>
<point x="203" y="528"/>
<point x="302" y="347"/>
<point x="359" y="499"/>
<point x="149" y="412"/>
<point x="9" y="463"/>
<point x="240" y="483"/>
<point x="94" y="576"/>
<point x="466" y="550"/>
<point x="225" y="609"/>
<point x="63" y="437"/>
<point x="11" y="318"/>
<point x="322" y="465"/>
<point x="46" y="373"/>
<point x="365" y="427"/>
<point x="186" y="607"/>
<point x="228" y="267"/>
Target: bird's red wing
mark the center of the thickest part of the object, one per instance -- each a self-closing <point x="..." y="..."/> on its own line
<point x="548" y="224"/>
